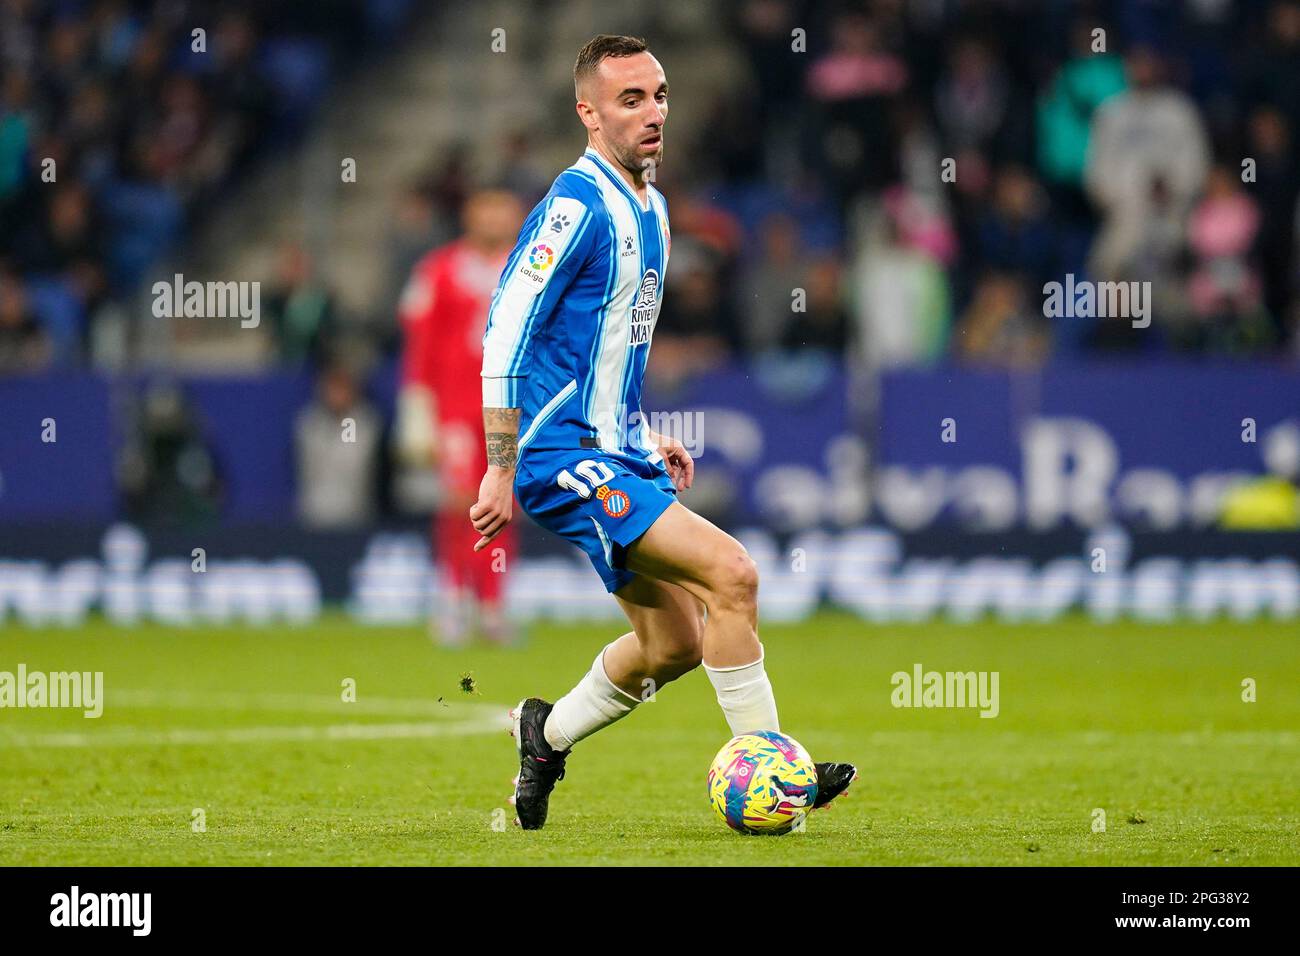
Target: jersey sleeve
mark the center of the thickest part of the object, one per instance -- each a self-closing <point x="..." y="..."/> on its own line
<point x="555" y="242"/>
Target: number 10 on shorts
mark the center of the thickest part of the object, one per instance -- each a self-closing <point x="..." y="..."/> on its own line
<point x="596" y="473"/>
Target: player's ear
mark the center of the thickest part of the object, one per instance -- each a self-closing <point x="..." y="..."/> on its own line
<point x="586" y="114"/>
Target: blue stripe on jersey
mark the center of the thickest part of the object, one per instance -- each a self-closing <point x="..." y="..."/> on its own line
<point x="626" y="191"/>
<point x="584" y="176"/>
<point x="616" y="179"/>
<point x="526" y="330"/>
<point x="555" y="351"/>
<point x="638" y="212"/>
<point x="589" y="386"/>
<point x="547" y="413"/>
<point x="625" y="381"/>
<point x="641" y="356"/>
<point x="520" y="248"/>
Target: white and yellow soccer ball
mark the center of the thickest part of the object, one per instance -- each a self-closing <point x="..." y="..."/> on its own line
<point x="762" y="783"/>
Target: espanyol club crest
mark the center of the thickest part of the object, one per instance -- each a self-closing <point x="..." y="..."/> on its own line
<point x="643" y="311"/>
<point x="616" y="503"/>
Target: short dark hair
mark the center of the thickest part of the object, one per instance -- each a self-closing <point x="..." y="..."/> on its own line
<point x="599" y="47"/>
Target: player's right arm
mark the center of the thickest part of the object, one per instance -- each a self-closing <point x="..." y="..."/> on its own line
<point x="496" y="492"/>
<point x="553" y="245"/>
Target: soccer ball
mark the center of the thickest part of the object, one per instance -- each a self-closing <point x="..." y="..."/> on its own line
<point x="762" y="783"/>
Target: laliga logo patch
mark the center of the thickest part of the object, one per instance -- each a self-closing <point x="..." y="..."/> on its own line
<point x="616" y="503"/>
<point x="541" y="256"/>
<point x="533" y="266"/>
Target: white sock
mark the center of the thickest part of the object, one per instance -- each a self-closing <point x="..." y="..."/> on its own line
<point x="595" y="703"/>
<point x="745" y="695"/>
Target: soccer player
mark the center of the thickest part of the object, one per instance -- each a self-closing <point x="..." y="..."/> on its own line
<point x="563" y="357"/>
<point x="443" y="312"/>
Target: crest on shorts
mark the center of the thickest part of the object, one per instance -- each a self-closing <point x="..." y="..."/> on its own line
<point x="616" y="503"/>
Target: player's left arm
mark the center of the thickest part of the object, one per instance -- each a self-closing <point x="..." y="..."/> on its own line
<point x="680" y="464"/>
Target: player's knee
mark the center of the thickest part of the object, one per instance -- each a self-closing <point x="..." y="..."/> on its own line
<point x="685" y="650"/>
<point x="680" y="657"/>
<point x="735" y="586"/>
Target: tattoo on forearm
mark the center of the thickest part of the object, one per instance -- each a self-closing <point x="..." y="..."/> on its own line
<point x="502" y="449"/>
<point x="501" y="428"/>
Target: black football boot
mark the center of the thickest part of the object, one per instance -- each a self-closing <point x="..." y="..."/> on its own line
<point x="541" y="766"/>
<point x="832" y="780"/>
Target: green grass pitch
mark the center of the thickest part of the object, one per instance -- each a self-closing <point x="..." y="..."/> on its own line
<point x="1146" y="722"/>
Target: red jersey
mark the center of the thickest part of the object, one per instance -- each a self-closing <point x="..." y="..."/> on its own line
<point x="443" y="312"/>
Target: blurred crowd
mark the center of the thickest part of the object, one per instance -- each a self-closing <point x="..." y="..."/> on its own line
<point x="902" y="192"/>
<point x="119" y="123"/>
<point x="899" y="192"/>
<point x="927" y="168"/>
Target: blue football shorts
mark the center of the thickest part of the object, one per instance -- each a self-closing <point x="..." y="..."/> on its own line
<point x="601" y="502"/>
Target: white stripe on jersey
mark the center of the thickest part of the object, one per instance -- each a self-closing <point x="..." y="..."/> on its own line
<point x="514" y="305"/>
<point x="641" y="438"/>
<point x="592" y="325"/>
<point x="603" y="405"/>
<point x="543" y="416"/>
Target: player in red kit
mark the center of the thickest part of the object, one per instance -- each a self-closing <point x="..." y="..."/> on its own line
<point x="443" y="313"/>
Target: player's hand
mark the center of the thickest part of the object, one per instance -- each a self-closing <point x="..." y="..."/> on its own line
<point x="496" y="501"/>
<point x="680" y="464"/>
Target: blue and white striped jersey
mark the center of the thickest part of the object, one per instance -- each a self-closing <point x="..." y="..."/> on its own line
<point x="570" y="324"/>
